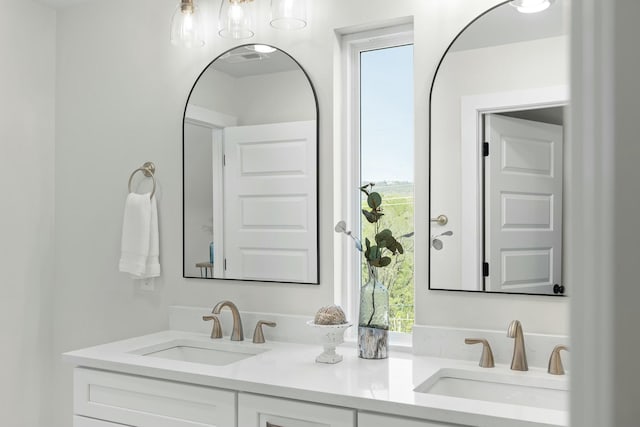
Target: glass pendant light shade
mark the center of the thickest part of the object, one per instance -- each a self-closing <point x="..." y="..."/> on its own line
<point x="186" y="25"/>
<point x="531" y="6"/>
<point x="237" y="18"/>
<point x="288" y="14"/>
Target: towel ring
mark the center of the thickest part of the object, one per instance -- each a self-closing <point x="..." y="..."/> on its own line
<point x="148" y="169"/>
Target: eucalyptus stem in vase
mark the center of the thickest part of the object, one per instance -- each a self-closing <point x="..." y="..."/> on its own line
<point x="373" y="325"/>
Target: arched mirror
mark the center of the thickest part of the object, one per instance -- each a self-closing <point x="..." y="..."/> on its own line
<point x="250" y="162"/>
<point x="497" y="176"/>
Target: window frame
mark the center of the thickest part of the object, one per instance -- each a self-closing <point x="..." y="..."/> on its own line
<point x="352" y="45"/>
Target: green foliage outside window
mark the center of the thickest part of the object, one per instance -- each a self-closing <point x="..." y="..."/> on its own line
<point x="398" y="275"/>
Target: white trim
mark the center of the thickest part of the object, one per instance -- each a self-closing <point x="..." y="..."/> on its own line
<point x="209" y="118"/>
<point x="217" y="154"/>
<point x="351" y="46"/>
<point x="472" y="108"/>
<point x="216" y="122"/>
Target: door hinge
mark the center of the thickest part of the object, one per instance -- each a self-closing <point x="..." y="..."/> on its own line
<point x="485" y="149"/>
<point x="485" y="269"/>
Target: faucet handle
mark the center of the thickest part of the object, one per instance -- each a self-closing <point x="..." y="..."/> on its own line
<point x="216" y="331"/>
<point x="555" y="361"/>
<point x="486" y="359"/>
<point x="258" y="336"/>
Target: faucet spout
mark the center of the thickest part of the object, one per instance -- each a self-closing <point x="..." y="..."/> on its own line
<point x="519" y="359"/>
<point x="237" y="333"/>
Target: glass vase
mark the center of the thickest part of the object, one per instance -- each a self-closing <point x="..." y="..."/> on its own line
<point x="373" y="321"/>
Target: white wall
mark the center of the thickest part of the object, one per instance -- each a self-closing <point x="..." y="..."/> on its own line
<point x="27" y="79"/>
<point x="275" y="98"/>
<point x="121" y="89"/>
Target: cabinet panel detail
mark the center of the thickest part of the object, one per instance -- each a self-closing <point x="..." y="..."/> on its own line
<point x="366" y="419"/>
<point x="90" y="422"/>
<point x="261" y="411"/>
<point x="146" y="402"/>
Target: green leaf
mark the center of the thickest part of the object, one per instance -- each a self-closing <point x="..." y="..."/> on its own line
<point x="374" y="253"/>
<point x="383" y="236"/>
<point x="370" y="216"/>
<point x="384" y="261"/>
<point x="399" y="248"/>
<point x="374" y="200"/>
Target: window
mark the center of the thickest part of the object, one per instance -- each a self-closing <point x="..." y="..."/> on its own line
<point x="379" y="72"/>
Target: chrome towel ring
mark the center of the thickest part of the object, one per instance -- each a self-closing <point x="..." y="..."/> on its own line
<point x="148" y="169"/>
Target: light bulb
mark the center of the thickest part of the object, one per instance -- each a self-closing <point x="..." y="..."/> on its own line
<point x="236" y="14"/>
<point x="186" y="26"/>
<point x="236" y="19"/>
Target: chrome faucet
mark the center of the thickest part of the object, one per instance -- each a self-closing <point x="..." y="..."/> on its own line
<point x="519" y="360"/>
<point x="237" y="334"/>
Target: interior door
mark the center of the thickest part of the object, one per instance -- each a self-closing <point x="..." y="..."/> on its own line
<point x="270" y="208"/>
<point x="523" y="205"/>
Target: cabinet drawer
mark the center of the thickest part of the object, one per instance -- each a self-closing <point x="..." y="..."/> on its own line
<point x="376" y="420"/>
<point x="261" y="411"/>
<point x="146" y="402"/>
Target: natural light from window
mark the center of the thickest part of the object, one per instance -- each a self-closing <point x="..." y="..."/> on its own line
<point x="386" y="150"/>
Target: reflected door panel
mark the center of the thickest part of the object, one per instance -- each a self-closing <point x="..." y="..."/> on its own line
<point x="270" y="226"/>
<point x="523" y="190"/>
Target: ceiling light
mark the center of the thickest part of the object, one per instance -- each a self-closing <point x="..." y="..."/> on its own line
<point x="236" y="19"/>
<point x="288" y="14"/>
<point x="186" y="25"/>
<point x="531" y="6"/>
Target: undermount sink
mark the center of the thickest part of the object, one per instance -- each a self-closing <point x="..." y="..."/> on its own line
<point x="217" y="353"/>
<point x="516" y="389"/>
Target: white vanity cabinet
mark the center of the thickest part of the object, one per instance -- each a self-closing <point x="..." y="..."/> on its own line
<point x="367" y="419"/>
<point x="147" y="402"/>
<point x="262" y="411"/>
<point x="90" y="422"/>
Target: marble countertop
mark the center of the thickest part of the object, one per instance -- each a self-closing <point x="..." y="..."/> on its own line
<point x="289" y="370"/>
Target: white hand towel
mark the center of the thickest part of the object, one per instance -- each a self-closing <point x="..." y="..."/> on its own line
<point x="140" y="244"/>
<point x="153" y="259"/>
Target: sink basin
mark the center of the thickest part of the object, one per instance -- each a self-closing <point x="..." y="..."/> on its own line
<point x="217" y="353"/>
<point x="524" y="389"/>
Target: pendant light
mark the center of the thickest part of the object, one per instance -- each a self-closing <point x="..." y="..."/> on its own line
<point x="186" y="25"/>
<point x="236" y="19"/>
<point x="531" y="6"/>
<point x="288" y="14"/>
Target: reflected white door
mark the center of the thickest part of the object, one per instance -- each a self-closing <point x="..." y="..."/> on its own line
<point x="270" y="202"/>
<point x="523" y="205"/>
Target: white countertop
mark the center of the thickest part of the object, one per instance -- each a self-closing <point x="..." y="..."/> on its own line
<point x="289" y="370"/>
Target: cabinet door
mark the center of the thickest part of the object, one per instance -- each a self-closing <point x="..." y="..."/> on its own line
<point x="377" y="420"/>
<point x="261" y="411"/>
<point x="147" y="402"/>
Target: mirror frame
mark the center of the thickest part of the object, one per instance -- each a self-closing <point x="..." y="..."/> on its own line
<point x="184" y="116"/>
<point x="433" y="82"/>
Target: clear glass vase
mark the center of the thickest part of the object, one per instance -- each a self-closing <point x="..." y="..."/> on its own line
<point x="373" y="322"/>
